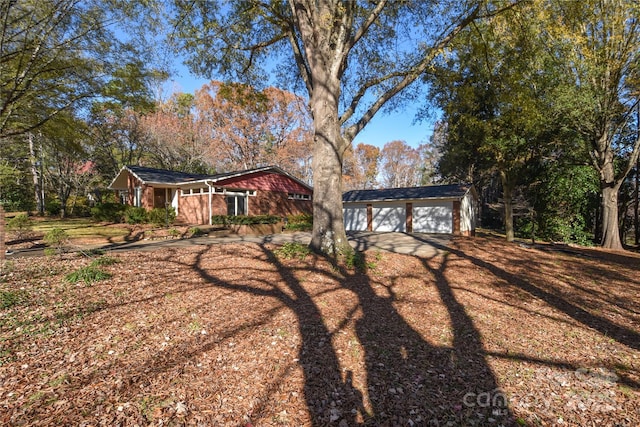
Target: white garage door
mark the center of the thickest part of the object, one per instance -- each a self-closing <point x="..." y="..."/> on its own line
<point x="355" y="218"/>
<point x="389" y="217"/>
<point x="433" y="217"/>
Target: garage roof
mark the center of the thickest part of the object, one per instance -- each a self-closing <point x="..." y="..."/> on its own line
<point x="450" y="191"/>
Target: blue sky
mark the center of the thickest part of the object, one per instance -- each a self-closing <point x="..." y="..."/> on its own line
<point x="383" y="128"/>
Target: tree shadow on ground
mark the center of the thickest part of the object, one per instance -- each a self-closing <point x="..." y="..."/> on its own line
<point x="434" y="385"/>
<point x="564" y="304"/>
<point x="408" y="380"/>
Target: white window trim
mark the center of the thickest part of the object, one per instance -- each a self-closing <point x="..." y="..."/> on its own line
<point x="298" y="196"/>
<point x="235" y="195"/>
<point x="186" y="192"/>
<point x="137" y="197"/>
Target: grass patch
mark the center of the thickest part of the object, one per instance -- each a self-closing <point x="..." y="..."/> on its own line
<point x="10" y="299"/>
<point x="104" y="261"/>
<point x="356" y="260"/>
<point x="291" y="250"/>
<point x="88" y="275"/>
<point x="80" y="228"/>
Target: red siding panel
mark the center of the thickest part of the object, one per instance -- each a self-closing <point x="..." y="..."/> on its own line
<point x="266" y="181"/>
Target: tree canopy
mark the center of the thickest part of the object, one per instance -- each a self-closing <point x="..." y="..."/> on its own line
<point x="352" y="58"/>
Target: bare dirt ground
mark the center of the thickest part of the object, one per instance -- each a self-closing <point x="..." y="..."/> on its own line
<point x="487" y="333"/>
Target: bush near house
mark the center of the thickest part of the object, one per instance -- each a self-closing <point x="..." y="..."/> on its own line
<point x="300" y="222"/>
<point x="160" y="216"/>
<point x="245" y="219"/>
<point x="116" y="212"/>
<point x="110" y="211"/>
<point x="134" y="215"/>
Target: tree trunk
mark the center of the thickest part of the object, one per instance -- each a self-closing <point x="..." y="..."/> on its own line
<point x="610" y="229"/>
<point x="636" y="222"/>
<point x="2" y="247"/>
<point x="328" y="235"/>
<point x="507" y="197"/>
<point x="36" y="176"/>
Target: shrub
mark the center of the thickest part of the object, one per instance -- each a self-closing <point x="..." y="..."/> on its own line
<point x="78" y="206"/>
<point x="195" y="232"/>
<point x="292" y="250"/>
<point x="158" y="216"/>
<point x="135" y="215"/>
<point x="245" y="220"/>
<point x="49" y="251"/>
<point x="88" y="275"/>
<point x="21" y="224"/>
<point x="53" y="207"/>
<point x="57" y="238"/>
<point x="112" y="212"/>
<point x="302" y="218"/>
<point x="300" y="222"/>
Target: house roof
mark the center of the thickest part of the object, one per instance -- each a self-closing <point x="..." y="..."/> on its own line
<point x="450" y="191"/>
<point x="151" y="175"/>
<point x="169" y="178"/>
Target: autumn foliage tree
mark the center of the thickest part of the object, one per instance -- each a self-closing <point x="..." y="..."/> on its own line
<point x="252" y="128"/>
<point x="361" y="167"/>
<point x="178" y="140"/>
<point x="405" y="166"/>
<point x="227" y="127"/>
<point x="400" y="165"/>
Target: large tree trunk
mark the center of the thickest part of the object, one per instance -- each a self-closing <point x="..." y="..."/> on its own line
<point x="636" y="222"/>
<point x="325" y="41"/>
<point x="610" y="229"/>
<point x="609" y="187"/>
<point x="328" y="235"/>
<point x="507" y="197"/>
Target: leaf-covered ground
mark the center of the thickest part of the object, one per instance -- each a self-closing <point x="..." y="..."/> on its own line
<point x="486" y="333"/>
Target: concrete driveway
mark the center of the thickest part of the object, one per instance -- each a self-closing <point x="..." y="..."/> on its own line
<point x="418" y="244"/>
<point x="423" y="245"/>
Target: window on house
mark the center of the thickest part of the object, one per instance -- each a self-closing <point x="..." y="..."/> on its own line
<point x="296" y="196"/>
<point x="124" y="197"/>
<point x="237" y="205"/>
<point x="194" y="191"/>
<point x="137" y="197"/>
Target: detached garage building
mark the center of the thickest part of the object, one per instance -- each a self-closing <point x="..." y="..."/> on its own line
<point x="448" y="209"/>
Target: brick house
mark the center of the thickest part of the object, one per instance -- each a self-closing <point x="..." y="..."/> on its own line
<point x="196" y="198"/>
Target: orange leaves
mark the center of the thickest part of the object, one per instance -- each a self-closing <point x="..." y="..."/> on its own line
<point x="231" y="126"/>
